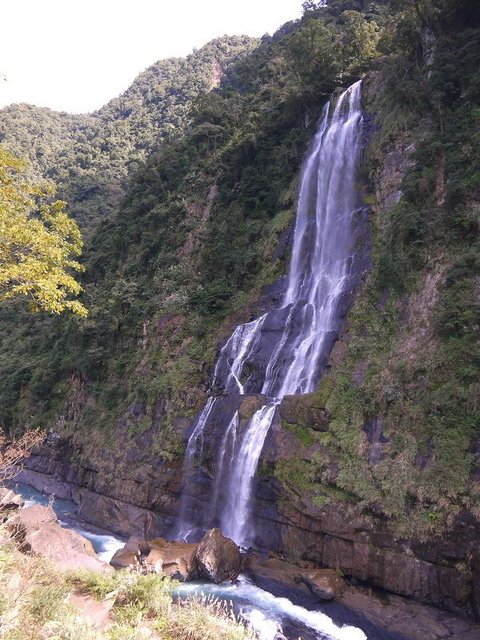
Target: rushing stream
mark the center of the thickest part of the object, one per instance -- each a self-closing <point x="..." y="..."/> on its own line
<point x="297" y="336"/>
<point x="271" y="617"/>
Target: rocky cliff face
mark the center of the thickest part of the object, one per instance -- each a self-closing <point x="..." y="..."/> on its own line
<point x="133" y="492"/>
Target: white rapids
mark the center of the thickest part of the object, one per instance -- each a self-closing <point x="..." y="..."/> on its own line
<point x="267" y="614"/>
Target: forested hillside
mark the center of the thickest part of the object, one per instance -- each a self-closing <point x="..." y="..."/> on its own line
<point x="204" y="227"/>
<point x="403" y="402"/>
<point x="91" y="156"/>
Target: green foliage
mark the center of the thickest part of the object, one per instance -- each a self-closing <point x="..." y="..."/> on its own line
<point x="39" y="243"/>
<point x="46" y="602"/>
<point x="200" y="231"/>
<point x="414" y="333"/>
<point x="195" y="236"/>
<point x="91" y="157"/>
<point x="38" y="603"/>
<point x="204" y="619"/>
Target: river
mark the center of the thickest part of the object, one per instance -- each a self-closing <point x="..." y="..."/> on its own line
<point x="273" y="618"/>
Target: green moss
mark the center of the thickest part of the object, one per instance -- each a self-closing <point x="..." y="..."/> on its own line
<point x="294" y="474"/>
<point x="301" y="431"/>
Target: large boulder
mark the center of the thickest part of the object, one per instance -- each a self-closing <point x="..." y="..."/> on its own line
<point x="218" y="558"/>
<point x="63" y="546"/>
<point x="215" y="558"/>
<point x="280" y="578"/>
<point x="324" y="583"/>
<point x="175" y="559"/>
<point x="30" y="519"/>
<point x="38" y="532"/>
<point x="129" y="555"/>
<point x="301" y="585"/>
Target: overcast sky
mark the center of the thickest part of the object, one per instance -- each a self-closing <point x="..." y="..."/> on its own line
<point x="75" y="56"/>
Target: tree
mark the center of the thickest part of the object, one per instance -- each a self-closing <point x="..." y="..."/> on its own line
<point x="313" y="58"/>
<point x="38" y="242"/>
<point x="360" y="39"/>
<point x="14" y="452"/>
<point x="311" y="5"/>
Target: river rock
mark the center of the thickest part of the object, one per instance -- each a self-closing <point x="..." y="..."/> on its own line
<point x="324" y="583"/>
<point x="127" y="556"/>
<point x="30" y="519"/>
<point x="9" y="500"/>
<point x="175" y="559"/>
<point x="38" y="532"/>
<point x="124" y="559"/>
<point x="305" y="586"/>
<point x="280" y="578"/>
<point x="218" y="558"/>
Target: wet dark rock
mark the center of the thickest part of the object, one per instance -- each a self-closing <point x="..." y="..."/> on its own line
<point x="304" y="410"/>
<point x="280" y="578"/>
<point x="218" y="558"/>
<point x="376" y="440"/>
<point x="303" y="585"/>
<point x="250" y="405"/>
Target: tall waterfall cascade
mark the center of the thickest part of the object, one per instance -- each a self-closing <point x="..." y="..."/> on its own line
<point x="289" y="345"/>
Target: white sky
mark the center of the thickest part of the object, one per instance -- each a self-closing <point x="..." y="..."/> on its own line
<point x="75" y="56"/>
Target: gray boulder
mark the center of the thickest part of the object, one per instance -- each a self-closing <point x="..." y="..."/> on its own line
<point x="218" y="558"/>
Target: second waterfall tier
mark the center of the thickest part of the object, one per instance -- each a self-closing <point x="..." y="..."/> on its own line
<point x="284" y="351"/>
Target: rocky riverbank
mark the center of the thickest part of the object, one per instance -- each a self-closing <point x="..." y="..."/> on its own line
<point x="370" y="559"/>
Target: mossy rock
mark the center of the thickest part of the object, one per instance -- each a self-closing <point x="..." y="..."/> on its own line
<point x="304" y="411"/>
<point x="250" y="405"/>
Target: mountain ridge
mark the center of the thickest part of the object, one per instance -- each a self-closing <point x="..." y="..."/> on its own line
<point x="91" y="156"/>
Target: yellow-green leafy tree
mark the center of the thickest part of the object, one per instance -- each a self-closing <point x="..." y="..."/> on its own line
<point x="39" y="242"/>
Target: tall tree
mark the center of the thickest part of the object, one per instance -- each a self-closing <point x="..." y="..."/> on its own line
<point x="39" y="242"/>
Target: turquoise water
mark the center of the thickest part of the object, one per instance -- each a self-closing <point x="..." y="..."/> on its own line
<point x="104" y="542"/>
<point x="273" y="618"/>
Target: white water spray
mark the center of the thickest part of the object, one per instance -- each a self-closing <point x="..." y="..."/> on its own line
<point x="319" y="276"/>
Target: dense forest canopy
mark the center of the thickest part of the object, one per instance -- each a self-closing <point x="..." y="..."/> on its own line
<point x="91" y="156"/>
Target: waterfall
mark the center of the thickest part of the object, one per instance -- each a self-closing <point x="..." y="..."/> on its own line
<point x="304" y="327"/>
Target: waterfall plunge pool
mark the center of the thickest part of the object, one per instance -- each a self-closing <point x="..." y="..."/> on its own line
<point x="273" y="618"/>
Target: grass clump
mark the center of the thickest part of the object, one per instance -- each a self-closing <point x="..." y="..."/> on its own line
<point x="39" y="601"/>
<point x="203" y="619"/>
